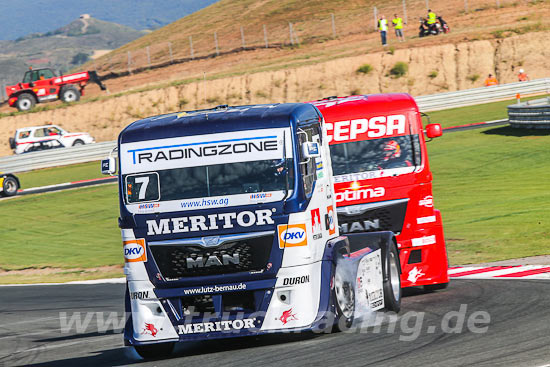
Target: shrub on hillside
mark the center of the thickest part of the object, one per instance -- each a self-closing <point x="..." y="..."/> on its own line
<point x="399" y="69"/>
<point x="473" y="77"/>
<point x="365" y="69"/>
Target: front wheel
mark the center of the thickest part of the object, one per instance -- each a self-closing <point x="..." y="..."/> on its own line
<point x="155" y="351"/>
<point x="78" y="142"/>
<point x="25" y="102"/>
<point x="10" y="186"/>
<point x="392" y="285"/>
<point x="344" y="299"/>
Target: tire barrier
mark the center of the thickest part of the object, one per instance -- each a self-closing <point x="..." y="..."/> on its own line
<point x="533" y="114"/>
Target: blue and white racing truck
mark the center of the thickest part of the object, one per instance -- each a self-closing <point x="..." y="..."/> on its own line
<point x="229" y="229"/>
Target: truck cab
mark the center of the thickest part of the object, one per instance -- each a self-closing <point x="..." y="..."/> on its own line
<point x="229" y="229"/>
<point x="383" y="180"/>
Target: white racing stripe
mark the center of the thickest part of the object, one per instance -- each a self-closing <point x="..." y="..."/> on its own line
<point x="489" y="274"/>
<point x="460" y="270"/>
<point x="497" y="272"/>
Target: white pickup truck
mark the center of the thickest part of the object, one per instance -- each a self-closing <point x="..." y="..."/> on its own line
<point x="30" y="139"/>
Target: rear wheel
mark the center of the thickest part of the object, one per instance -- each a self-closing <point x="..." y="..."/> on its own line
<point x="10" y="186"/>
<point x="392" y="285"/>
<point x="69" y="93"/>
<point x="25" y="102"/>
<point x="155" y="351"/>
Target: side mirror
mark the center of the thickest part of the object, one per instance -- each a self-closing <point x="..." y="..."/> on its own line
<point x="311" y="150"/>
<point x="434" y="131"/>
<point x="108" y="166"/>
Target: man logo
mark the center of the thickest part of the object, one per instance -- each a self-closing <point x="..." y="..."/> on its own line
<point x="134" y="250"/>
<point x="292" y="235"/>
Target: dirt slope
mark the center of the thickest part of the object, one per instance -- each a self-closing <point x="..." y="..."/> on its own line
<point x="455" y="65"/>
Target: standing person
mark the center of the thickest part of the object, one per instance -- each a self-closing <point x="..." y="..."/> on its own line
<point x="491" y="80"/>
<point x="522" y="76"/>
<point x="431" y="20"/>
<point x="383" y="28"/>
<point x="398" y="24"/>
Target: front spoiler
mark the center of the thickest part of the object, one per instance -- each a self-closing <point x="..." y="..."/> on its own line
<point x="323" y="324"/>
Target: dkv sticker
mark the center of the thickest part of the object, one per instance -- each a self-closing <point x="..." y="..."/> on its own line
<point x="292" y="235"/>
<point x="329" y="218"/>
<point x="134" y="250"/>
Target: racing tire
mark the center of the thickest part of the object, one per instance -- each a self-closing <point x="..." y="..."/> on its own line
<point x="25" y="102"/>
<point x="78" y="142"/>
<point x="392" y="284"/>
<point x="9" y="186"/>
<point x="69" y="94"/>
<point x="343" y="295"/>
<point x="435" y="287"/>
<point x="155" y="351"/>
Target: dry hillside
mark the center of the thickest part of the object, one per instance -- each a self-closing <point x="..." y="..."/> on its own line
<point x="456" y="66"/>
<point x="483" y="40"/>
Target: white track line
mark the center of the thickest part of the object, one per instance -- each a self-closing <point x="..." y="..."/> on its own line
<point x="489" y="274"/>
<point x="94" y="281"/>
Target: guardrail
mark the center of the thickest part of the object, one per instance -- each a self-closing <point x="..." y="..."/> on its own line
<point x="56" y="157"/>
<point x="433" y="102"/>
<point x="470" y="97"/>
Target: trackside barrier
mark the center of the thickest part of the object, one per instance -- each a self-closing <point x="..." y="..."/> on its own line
<point x="56" y="157"/>
<point x="433" y="102"/>
<point x="469" y="97"/>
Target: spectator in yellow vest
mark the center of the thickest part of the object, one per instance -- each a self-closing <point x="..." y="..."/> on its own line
<point x="398" y="25"/>
<point x="431" y="17"/>
<point x="383" y="28"/>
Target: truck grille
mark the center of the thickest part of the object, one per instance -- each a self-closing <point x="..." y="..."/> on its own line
<point x="195" y="259"/>
<point x="373" y="217"/>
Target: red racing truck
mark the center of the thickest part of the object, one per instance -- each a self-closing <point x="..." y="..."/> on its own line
<point x="383" y="181"/>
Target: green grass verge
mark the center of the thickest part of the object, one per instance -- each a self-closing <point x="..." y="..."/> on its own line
<point x="471" y="114"/>
<point x="68" y="229"/>
<point x="56" y="175"/>
<point x="491" y="186"/>
<point x="60" y="276"/>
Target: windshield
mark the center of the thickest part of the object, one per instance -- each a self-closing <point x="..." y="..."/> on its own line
<point x="207" y="171"/>
<point x="210" y="181"/>
<point x="375" y="155"/>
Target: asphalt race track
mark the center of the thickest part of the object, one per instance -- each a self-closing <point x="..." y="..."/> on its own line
<point x="518" y="333"/>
